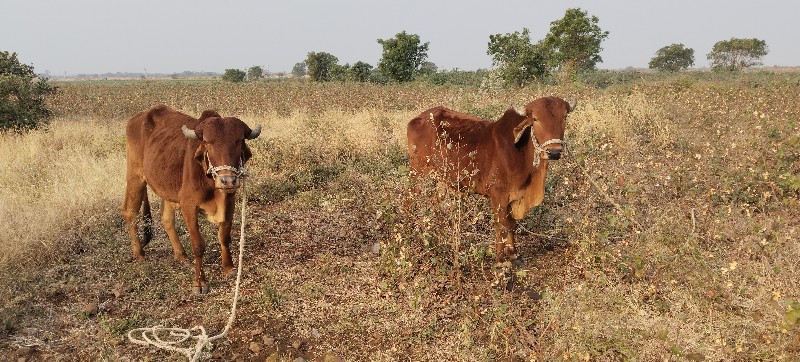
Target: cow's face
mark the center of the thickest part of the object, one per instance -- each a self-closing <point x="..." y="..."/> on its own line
<point x="546" y="118"/>
<point x="222" y="151"/>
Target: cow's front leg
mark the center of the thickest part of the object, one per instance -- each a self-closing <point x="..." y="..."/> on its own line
<point x="200" y="285"/>
<point x="224" y="235"/>
<point x="504" y="234"/>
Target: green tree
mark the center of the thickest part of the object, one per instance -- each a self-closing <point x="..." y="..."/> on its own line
<point x="234" y="75"/>
<point x="299" y="70"/>
<point x="340" y="72"/>
<point x="255" y="73"/>
<point x="737" y="54"/>
<point x="517" y="60"/>
<point x="402" y="57"/>
<point x="672" y="58"/>
<point x="360" y="72"/>
<point x="320" y="66"/>
<point x="22" y="95"/>
<point x="428" y="69"/>
<point x="573" y="43"/>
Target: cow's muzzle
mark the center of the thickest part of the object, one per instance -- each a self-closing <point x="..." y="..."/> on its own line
<point x="553" y="153"/>
<point x="229" y="181"/>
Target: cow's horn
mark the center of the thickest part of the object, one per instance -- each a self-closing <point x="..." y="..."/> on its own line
<point x="572" y="106"/>
<point x="517" y="110"/>
<point x="190" y="134"/>
<point x="254" y="133"/>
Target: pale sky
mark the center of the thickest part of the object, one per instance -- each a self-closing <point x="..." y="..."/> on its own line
<point x="68" y="37"/>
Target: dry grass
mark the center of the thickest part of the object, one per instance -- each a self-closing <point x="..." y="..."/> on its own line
<point x="668" y="233"/>
<point x="58" y="184"/>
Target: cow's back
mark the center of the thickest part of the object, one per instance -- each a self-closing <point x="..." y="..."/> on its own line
<point x="440" y="139"/>
<point x="156" y="143"/>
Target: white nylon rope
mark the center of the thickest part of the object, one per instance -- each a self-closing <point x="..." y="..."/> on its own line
<point x="150" y="335"/>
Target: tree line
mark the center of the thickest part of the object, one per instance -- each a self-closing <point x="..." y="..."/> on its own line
<point x="572" y="46"/>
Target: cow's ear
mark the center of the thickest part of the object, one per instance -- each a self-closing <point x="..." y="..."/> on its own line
<point x="200" y="156"/>
<point x="519" y="131"/>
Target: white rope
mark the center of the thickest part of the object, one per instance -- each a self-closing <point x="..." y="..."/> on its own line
<point x="177" y="336"/>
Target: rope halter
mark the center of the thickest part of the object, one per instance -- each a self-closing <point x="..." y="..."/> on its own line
<point x="538" y="149"/>
<point x="213" y="171"/>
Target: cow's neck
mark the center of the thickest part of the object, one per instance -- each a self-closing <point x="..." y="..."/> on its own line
<point x="531" y="195"/>
<point x="216" y="207"/>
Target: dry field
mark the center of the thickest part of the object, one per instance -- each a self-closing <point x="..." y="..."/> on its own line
<point x="669" y="231"/>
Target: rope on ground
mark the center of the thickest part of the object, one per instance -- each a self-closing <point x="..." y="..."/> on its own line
<point x="148" y="336"/>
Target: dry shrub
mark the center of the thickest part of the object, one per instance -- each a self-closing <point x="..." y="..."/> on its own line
<point x="58" y="180"/>
<point x="622" y="120"/>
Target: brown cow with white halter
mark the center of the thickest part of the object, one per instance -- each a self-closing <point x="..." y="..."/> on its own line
<point x="505" y="160"/>
<point x="192" y="164"/>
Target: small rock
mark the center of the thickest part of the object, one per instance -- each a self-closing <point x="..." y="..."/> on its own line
<point x="298" y="344"/>
<point x="268" y="341"/>
<point x="376" y="248"/>
<point x="256" y="331"/>
<point x="315" y="333"/>
<point x="299" y="359"/>
<point x="118" y="290"/>
<point x="274" y="357"/>
<point x="696" y="357"/>
<point x="330" y="357"/>
<point x="24" y="352"/>
<point x="90" y="309"/>
<point x="254" y="347"/>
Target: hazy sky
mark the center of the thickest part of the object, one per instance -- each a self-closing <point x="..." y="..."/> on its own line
<point x="166" y="36"/>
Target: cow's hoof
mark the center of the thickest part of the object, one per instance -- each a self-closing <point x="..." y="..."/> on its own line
<point x="504" y="276"/>
<point x="181" y="259"/>
<point x="228" y="272"/>
<point x="201" y="289"/>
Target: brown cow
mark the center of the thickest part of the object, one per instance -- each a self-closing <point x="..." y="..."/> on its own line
<point x="191" y="164"/>
<point x="501" y="159"/>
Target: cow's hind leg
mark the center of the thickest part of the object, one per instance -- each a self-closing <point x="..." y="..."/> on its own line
<point x="135" y="199"/>
<point x="168" y="220"/>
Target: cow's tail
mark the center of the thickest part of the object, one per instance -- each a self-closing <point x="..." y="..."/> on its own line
<point x="147" y="220"/>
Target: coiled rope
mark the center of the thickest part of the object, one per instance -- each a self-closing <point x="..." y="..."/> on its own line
<point x="148" y="336"/>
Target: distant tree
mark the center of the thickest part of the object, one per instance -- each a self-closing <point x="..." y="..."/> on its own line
<point x="320" y="66"/>
<point x="402" y="56"/>
<point x="340" y="72"/>
<point x="299" y="70"/>
<point x="573" y="43"/>
<point x="737" y="54"/>
<point x="672" y="58"/>
<point x="428" y="69"/>
<point x="255" y="73"/>
<point x="517" y="60"/>
<point x="234" y="75"/>
<point x="22" y="95"/>
<point x="360" y="72"/>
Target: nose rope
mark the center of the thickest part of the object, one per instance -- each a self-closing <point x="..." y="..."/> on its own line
<point x="538" y="149"/>
<point x="213" y="170"/>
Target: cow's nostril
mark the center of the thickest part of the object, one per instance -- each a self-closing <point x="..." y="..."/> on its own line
<point x="228" y="180"/>
<point x="554" y="154"/>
